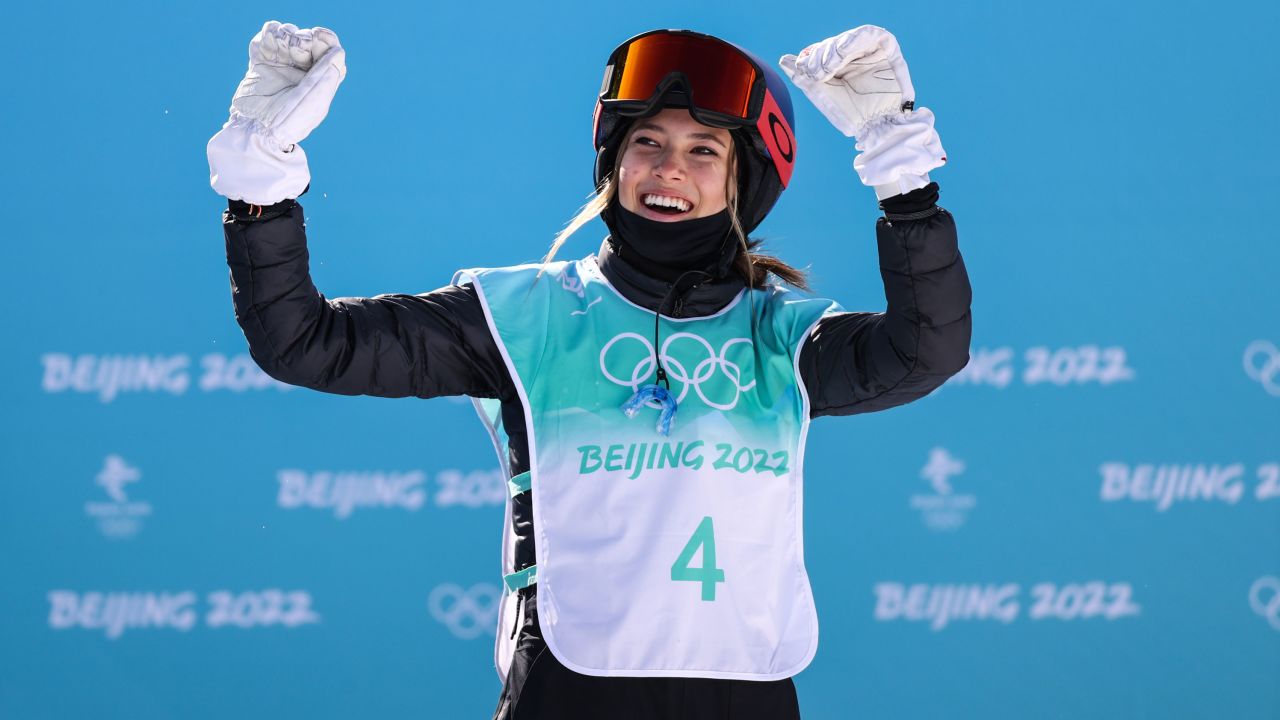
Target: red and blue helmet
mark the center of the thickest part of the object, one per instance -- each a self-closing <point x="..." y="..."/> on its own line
<point x="723" y="86"/>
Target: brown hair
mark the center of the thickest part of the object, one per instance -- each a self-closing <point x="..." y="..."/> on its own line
<point x="754" y="267"/>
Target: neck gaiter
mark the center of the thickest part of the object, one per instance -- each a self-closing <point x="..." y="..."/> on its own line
<point x="667" y="250"/>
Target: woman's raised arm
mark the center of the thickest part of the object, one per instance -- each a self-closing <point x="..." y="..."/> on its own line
<point x="858" y="362"/>
<point x="861" y="362"/>
<point x="391" y="345"/>
<point x="426" y="345"/>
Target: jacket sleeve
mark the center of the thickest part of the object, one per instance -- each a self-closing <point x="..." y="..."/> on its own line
<point x="428" y="345"/>
<point x="861" y="362"/>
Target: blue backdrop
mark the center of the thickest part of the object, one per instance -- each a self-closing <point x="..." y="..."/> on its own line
<point x="1085" y="523"/>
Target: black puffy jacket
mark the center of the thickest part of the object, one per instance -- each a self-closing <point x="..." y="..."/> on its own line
<point x="438" y="344"/>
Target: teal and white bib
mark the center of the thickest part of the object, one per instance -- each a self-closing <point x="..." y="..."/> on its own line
<point x="677" y="556"/>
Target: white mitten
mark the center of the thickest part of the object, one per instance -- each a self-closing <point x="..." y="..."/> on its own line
<point x="292" y="78"/>
<point x="860" y="82"/>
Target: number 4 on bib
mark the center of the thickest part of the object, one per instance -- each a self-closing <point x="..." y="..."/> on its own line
<point x="708" y="574"/>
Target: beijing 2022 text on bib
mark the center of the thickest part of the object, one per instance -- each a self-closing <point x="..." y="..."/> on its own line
<point x="677" y="555"/>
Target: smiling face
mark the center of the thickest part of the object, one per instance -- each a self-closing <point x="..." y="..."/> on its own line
<point x="674" y="167"/>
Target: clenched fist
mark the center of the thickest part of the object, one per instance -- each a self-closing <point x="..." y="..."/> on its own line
<point x="292" y="78"/>
<point x="860" y="82"/>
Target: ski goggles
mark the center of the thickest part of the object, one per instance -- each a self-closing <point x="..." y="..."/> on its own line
<point x="723" y="85"/>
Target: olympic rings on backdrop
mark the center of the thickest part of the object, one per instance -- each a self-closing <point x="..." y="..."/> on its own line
<point x="1267" y="373"/>
<point x="1268" y="606"/>
<point x="467" y="613"/>
<point x="705" y="369"/>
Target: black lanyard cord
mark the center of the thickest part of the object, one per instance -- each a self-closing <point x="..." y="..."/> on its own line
<point x="657" y="318"/>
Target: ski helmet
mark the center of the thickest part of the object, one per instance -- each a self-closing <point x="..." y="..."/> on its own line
<point x="722" y="85"/>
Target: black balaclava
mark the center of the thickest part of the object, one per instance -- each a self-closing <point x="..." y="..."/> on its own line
<point x="667" y="250"/>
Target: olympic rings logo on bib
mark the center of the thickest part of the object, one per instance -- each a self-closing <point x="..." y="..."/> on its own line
<point x="715" y="378"/>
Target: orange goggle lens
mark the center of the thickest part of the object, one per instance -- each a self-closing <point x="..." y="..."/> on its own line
<point x="720" y="77"/>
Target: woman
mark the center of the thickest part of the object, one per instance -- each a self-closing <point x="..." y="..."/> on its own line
<point x="649" y="403"/>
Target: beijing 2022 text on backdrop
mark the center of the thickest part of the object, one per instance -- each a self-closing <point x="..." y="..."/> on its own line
<point x="1084" y="523"/>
